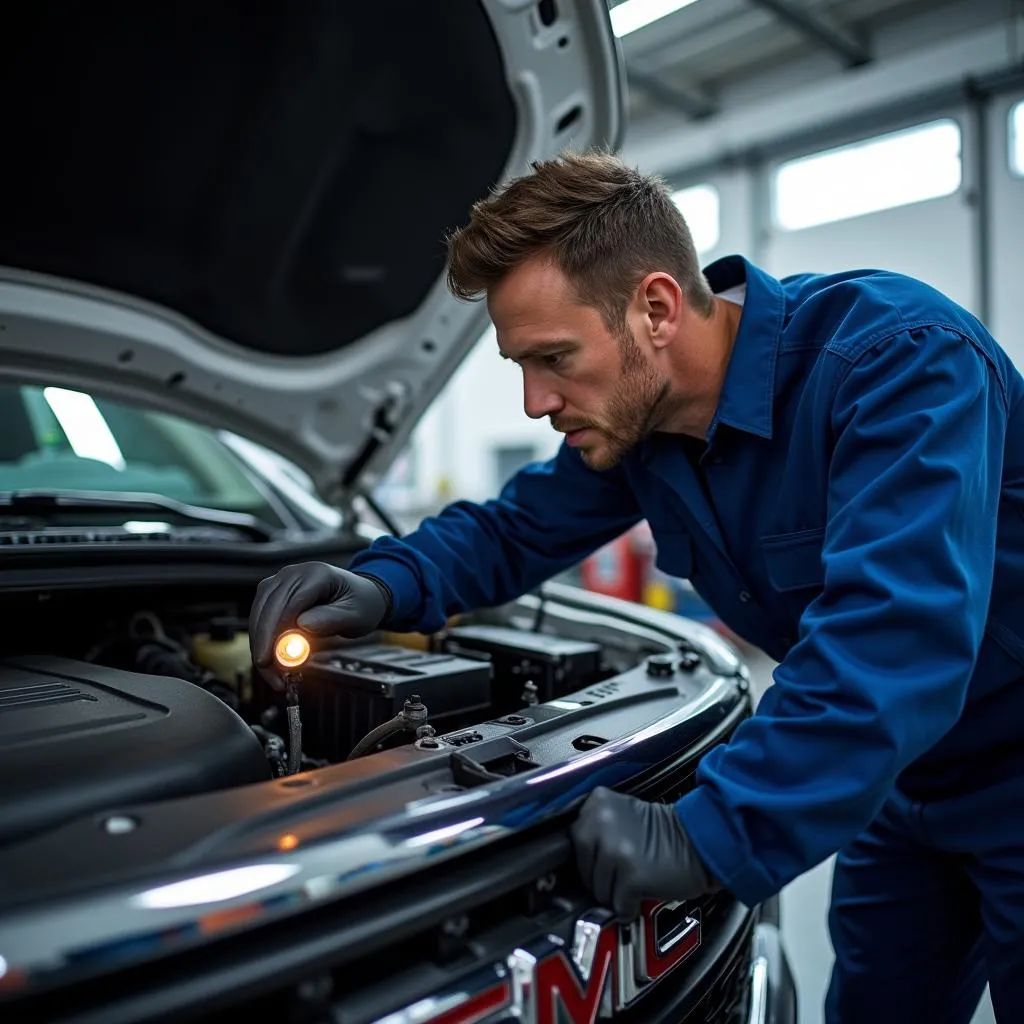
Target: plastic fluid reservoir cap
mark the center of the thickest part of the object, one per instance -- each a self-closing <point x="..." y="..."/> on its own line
<point x="292" y="650"/>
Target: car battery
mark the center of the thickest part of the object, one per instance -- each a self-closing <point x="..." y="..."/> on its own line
<point x="553" y="665"/>
<point x="352" y="690"/>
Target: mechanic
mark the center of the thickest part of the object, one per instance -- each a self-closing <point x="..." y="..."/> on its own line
<point x="836" y="462"/>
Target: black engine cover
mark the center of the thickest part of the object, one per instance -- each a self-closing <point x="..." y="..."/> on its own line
<point x="77" y="738"/>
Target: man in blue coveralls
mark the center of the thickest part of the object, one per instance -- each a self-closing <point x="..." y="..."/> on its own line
<point x="836" y="462"/>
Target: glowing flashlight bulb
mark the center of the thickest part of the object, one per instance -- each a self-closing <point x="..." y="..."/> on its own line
<point x="292" y="650"/>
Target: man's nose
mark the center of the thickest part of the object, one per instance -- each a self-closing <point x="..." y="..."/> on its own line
<point x="540" y="401"/>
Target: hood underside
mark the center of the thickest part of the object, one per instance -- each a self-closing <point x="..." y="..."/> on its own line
<point x="237" y="212"/>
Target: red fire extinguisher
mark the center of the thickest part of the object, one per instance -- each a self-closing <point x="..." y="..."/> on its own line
<point x="617" y="569"/>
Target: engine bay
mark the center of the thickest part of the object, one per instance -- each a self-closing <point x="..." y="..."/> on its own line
<point x="105" y="703"/>
<point x="146" y="768"/>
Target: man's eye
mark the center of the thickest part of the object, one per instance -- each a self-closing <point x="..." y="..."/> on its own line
<point x="554" y="359"/>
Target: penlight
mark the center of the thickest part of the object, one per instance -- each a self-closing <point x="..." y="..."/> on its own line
<point x="292" y="650"/>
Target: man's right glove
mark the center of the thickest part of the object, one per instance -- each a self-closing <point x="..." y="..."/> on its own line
<point x="629" y="850"/>
<point x="319" y="599"/>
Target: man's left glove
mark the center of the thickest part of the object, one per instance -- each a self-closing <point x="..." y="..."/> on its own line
<point x="629" y="850"/>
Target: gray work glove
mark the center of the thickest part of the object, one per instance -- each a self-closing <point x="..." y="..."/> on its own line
<point x="319" y="599"/>
<point x="629" y="850"/>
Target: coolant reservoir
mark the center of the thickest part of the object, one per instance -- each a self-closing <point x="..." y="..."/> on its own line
<point x="225" y="652"/>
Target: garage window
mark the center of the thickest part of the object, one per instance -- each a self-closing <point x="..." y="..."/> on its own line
<point x="509" y="459"/>
<point x="1017" y="139"/>
<point x="699" y="205"/>
<point x="891" y="170"/>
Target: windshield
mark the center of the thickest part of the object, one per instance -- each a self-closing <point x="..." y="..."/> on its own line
<point x="56" y="439"/>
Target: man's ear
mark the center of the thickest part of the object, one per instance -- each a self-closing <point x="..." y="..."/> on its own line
<point x="662" y="305"/>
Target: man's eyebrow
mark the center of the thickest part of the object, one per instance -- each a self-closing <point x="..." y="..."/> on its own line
<point x="542" y="348"/>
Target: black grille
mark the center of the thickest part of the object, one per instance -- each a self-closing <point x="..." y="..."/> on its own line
<point x="727" y="1001"/>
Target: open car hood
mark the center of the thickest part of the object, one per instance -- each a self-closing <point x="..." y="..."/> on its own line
<point x="236" y="213"/>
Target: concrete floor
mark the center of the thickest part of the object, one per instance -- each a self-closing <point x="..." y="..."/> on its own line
<point x="804" y="909"/>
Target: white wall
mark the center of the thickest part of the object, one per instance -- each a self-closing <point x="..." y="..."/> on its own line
<point x="1006" y="244"/>
<point x="818" y="94"/>
<point x="480" y="410"/>
<point x="736" y="210"/>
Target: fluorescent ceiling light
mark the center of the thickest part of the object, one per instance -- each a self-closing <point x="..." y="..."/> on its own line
<point x="634" y="14"/>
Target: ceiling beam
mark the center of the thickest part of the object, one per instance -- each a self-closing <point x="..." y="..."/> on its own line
<point x="838" y="40"/>
<point x="693" y="103"/>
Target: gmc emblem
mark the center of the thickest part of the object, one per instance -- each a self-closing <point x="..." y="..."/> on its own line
<point x="605" y="969"/>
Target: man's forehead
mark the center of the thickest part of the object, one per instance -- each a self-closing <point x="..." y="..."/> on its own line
<point x="531" y="290"/>
<point x="535" y="310"/>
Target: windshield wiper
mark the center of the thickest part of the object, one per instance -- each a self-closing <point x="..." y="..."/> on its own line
<point x="44" y="503"/>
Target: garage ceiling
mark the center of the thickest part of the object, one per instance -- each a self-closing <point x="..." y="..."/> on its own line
<point x="709" y="54"/>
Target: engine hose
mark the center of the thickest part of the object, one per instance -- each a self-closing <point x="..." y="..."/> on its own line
<point x="294" y="738"/>
<point x="375" y="736"/>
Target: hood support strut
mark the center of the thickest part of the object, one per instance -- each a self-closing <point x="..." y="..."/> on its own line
<point x="386" y="417"/>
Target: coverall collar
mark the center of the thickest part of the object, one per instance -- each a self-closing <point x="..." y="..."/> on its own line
<point x="748" y="391"/>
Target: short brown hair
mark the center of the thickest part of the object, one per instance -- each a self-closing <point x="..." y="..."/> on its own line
<point x="605" y="224"/>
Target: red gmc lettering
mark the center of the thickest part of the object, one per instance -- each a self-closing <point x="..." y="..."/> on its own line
<point x="557" y="982"/>
<point x="478" y="1007"/>
<point x="547" y="980"/>
<point x="655" y="963"/>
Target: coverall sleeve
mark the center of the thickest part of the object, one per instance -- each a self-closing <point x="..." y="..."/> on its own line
<point x="886" y="650"/>
<point x="548" y="517"/>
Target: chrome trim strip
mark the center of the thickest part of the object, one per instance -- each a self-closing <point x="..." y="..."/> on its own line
<point x="674" y="937"/>
<point x="758" y="991"/>
<point x="630" y="942"/>
<point x="521" y="965"/>
<point x="585" y="939"/>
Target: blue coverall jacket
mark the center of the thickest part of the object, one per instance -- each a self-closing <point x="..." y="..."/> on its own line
<point x="858" y="513"/>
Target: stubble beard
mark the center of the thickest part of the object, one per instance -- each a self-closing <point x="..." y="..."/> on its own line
<point x="642" y="401"/>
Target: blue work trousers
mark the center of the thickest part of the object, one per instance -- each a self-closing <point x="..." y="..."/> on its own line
<point x="928" y="905"/>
